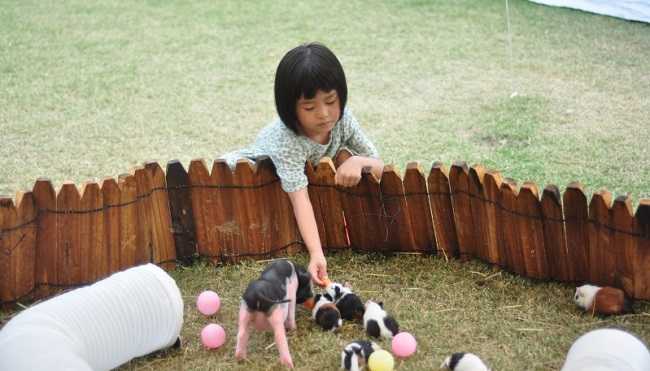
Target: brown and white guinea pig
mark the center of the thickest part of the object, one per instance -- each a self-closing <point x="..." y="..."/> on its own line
<point x="377" y="322"/>
<point x="355" y="355"/>
<point x="464" y="362"/>
<point x="602" y="300"/>
<point x="325" y="313"/>
<point x="349" y="303"/>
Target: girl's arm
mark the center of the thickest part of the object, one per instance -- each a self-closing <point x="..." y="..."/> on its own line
<point x="304" y="213"/>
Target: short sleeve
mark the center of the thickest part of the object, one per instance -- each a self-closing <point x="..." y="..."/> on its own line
<point x="288" y="155"/>
<point x="355" y="139"/>
<point x="291" y="170"/>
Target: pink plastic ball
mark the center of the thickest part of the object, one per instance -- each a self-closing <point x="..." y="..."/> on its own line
<point x="213" y="336"/>
<point x="403" y="345"/>
<point x="208" y="302"/>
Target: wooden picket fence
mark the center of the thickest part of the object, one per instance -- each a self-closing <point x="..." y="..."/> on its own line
<point x="51" y="240"/>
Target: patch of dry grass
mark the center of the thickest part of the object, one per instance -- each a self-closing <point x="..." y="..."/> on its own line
<point x="513" y="323"/>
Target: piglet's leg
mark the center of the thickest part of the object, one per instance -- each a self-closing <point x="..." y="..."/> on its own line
<point x="242" y="332"/>
<point x="292" y="288"/>
<point x="277" y="324"/>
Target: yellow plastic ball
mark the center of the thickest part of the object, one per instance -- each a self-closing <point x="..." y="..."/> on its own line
<point x="381" y="360"/>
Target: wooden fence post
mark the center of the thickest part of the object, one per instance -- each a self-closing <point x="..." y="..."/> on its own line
<point x="509" y="228"/>
<point x="642" y="268"/>
<point x="111" y="195"/>
<point x="8" y="269"/>
<point x="202" y="204"/>
<point x="558" y="256"/>
<point x="91" y="233"/>
<point x="626" y="243"/>
<point x="460" y="198"/>
<point x="492" y="188"/>
<point x="72" y="269"/>
<point x="415" y="186"/>
<point x="478" y="209"/>
<point x="248" y="209"/>
<point x="128" y="220"/>
<point x="144" y="247"/>
<point x="330" y="204"/>
<point x="364" y="215"/>
<point x="397" y="214"/>
<point x="576" y="217"/>
<point x="283" y="231"/>
<point x="47" y="249"/>
<point x="442" y="210"/>
<point x="182" y="214"/>
<point x="164" y="251"/>
<point x="531" y="231"/>
<point x="602" y="254"/>
<point x="17" y="247"/>
<point x="23" y="251"/>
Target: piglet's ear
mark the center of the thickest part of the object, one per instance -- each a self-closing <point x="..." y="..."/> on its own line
<point x="303" y="274"/>
<point x="381" y="304"/>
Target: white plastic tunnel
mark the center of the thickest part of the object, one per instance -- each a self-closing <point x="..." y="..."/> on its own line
<point x="99" y="327"/>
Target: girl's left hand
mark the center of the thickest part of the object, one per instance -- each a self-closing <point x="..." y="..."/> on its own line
<point x="349" y="173"/>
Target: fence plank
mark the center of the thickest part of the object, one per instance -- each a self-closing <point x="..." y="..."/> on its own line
<point x="624" y="228"/>
<point x="91" y="225"/>
<point x="283" y="231"/>
<point x="555" y="236"/>
<point x="249" y="207"/>
<point x="602" y="256"/>
<point x="492" y="188"/>
<point x="112" y="242"/>
<point x="442" y="210"/>
<point x="364" y="215"/>
<point x="576" y="217"/>
<point x="144" y="248"/>
<point x="47" y="249"/>
<point x="331" y="205"/>
<point x="24" y="251"/>
<point x="478" y="211"/>
<point x="509" y="228"/>
<point x="128" y="220"/>
<point x="164" y="251"/>
<point x="459" y="185"/>
<point x="224" y="228"/>
<point x="531" y="231"/>
<point x="8" y="269"/>
<point x="415" y="186"/>
<point x="642" y="269"/>
<point x="182" y="213"/>
<point x="397" y="214"/>
<point x="70" y="264"/>
<point x="202" y="204"/>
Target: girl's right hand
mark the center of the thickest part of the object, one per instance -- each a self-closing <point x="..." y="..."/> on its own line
<point x="318" y="269"/>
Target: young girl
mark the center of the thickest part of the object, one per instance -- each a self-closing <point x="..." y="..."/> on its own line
<point x="310" y="97"/>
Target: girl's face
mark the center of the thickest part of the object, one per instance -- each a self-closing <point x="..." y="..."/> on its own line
<point x="318" y="115"/>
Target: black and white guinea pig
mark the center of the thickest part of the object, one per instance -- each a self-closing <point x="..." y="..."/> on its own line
<point x="602" y="300"/>
<point x="325" y="313"/>
<point x="377" y="322"/>
<point x="464" y="362"/>
<point x="355" y="355"/>
<point x="349" y="303"/>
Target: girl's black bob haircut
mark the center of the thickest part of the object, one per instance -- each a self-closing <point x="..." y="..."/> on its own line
<point x="302" y="72"/>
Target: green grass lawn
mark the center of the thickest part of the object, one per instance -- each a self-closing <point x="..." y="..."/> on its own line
<point x="92" y="89"/>
<point x="89" y="90"/>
